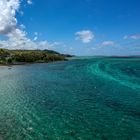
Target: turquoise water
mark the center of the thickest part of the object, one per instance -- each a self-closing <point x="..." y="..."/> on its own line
<point x="83" y="99"/>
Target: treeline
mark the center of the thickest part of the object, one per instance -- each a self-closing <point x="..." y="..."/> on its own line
<point x="29" y="56"/>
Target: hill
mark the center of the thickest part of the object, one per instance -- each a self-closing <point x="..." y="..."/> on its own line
<point x="30" y="56"/>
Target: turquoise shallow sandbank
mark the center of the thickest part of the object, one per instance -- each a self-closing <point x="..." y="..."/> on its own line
<point x="82" y="99"/>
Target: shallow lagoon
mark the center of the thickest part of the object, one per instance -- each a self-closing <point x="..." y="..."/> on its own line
<point x="83" y="99"/>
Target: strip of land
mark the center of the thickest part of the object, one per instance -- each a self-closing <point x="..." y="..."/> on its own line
<point x="17" y="57"/>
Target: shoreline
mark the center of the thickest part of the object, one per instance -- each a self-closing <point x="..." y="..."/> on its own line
<point x="28" y="63"/>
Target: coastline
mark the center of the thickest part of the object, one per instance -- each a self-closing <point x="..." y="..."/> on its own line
<point x="23" y="57"/>
<point x="29" y="63"/>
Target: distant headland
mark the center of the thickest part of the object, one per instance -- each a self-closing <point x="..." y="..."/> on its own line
<point x="17" y="57"/>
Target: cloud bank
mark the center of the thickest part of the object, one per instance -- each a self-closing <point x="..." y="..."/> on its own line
<point x="8" y="21"/>
<point x="17" y="37"/>
<point x="29" y="2"/>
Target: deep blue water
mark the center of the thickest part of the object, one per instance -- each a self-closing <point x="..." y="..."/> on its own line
<point x="83" y="99"/>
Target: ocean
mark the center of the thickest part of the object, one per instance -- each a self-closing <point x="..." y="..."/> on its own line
<point x="91" y="98"/>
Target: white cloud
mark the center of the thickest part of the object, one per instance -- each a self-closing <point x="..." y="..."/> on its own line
<point x="57" y="44"/>
<point x="8" y="22"/>
<point x="29" y="2"/>
<point x="22" y="26"/>
<point x="135" y="36"/>
<point x="8" y="10"/>
<point x="85" y="36"/>
<point x="35" y="38"/>
<point x="108" y="43"/>
<point x="17" y="37"/>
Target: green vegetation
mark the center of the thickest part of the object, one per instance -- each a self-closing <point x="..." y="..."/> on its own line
<point x="29" y="56"/>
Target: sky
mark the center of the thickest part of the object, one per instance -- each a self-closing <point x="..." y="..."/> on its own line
<point x="79" y="27"/>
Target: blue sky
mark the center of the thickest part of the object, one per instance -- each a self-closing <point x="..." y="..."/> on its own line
<point x="83" y="27"/>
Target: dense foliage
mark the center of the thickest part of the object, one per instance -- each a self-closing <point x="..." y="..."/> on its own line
<point x="29" y="56"/>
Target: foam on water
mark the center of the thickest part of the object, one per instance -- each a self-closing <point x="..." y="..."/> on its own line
<point x="118" y="76"/>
